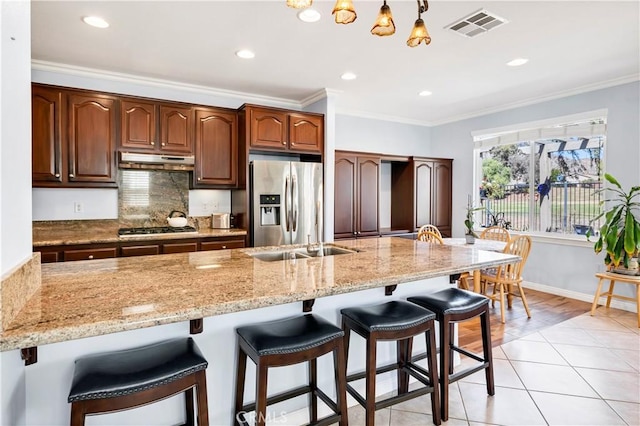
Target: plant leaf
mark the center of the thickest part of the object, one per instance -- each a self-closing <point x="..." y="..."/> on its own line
<point x="629" y="234"/>
<point x="612" y="180"/>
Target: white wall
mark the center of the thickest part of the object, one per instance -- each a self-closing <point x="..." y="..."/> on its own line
<point x="61" y="203"/>
<point x="385" y="137"/>
<point x="15" y="179"/>
<point x="568" y="268"/>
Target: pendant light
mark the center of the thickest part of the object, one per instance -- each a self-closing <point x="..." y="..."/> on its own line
<point x="419" y="32"/>
<point x="344" y="12"/>
<point x="384" y="25"/>
<point x="299" y="4"/>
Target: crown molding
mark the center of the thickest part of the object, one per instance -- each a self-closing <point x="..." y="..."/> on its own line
<point x="85" y="72"/>
<point x="382" y="117"/>
<point x="539" y="99"/>
<point x="319" y="95"/>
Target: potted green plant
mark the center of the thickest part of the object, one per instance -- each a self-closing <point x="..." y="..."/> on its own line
<point x="620" y="234"/>
<point x="470" y="235"/>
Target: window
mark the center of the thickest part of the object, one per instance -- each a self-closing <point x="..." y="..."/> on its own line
<point x="545" y="179"/>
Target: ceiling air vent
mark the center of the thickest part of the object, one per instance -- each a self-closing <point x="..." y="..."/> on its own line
<point x="479" y="22"/>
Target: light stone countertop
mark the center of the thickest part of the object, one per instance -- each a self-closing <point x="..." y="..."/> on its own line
<point x="106" y="231"/>
<point x="96" y="297"/>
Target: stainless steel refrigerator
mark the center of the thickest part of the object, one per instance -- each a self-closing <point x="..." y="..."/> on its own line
<point x="286" y="202"/>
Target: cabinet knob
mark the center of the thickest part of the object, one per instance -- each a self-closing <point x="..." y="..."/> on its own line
<point x="284" y="142"/>
<point x="199" y="178"/>
<point x="163" y="144"/>
<point x="152" y="143"/>
<point x="90" y="256"/>
<point x="355" y="233"/>
<point x="57" y="175"/>
<point x="71" y="175"/>
<point x="293" y="144"/>
<point x="224" y="247"/>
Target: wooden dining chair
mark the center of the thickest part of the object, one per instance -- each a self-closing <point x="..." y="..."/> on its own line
<point x="495" y="233"/>
<point x="429" y="228"/>
<point x="430" y="237"/>
<point x="507" y="279"/>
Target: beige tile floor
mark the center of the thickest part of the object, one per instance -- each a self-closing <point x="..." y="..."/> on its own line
<point x="584" y="371"/>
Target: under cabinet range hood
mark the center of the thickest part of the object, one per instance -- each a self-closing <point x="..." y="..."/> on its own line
<point x="130" y="160"/>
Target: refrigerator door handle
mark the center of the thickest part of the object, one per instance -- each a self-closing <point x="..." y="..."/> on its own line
<point x="287" y="209"/>
<point x="294" y="208"/>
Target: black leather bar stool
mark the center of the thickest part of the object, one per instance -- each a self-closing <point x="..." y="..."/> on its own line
<point x="399" y="321"/>
<point x="451" y="306"/>
<point x="287" y="342"/>
<point x="120" y="380"/>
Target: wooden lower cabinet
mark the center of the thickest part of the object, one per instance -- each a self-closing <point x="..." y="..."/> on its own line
<point x="66" y="253"/>
<point x="90" y="253"/>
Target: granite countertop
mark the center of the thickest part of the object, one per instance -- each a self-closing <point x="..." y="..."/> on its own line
<point x="106" y="231"/>
<point x="95" y="297"/>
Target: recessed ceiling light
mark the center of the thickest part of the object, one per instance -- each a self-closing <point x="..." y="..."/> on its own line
<point x="425" y="93"/>
<point x="348" y="76"/>
<point x="309" y="15"/>
<point x="95" y="21"/>
<point x="245" y="54"/>
<point x="517" y="62"/>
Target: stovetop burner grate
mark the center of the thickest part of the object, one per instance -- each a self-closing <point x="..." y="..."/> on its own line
<point x="124" y="232"/>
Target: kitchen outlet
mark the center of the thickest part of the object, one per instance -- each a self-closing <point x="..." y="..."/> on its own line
<point x="78" y="207"/>
<point x="214" y="206"/>
<point x="205" y="207"/>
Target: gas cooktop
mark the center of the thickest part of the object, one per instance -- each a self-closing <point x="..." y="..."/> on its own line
<point x="155" y="230"/>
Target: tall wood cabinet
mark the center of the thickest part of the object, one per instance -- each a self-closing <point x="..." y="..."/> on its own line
<point x="73" y="138"/>
<point x="148" y="126"/>
<point x="216" y="143"/>
<point x="432" y="193"/>
<point x="357" y="188"/>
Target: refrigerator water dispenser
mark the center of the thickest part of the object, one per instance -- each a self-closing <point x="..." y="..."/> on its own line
<point x="269" y="210"/>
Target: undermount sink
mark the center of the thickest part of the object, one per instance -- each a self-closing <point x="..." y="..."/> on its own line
<point x="299" y="253"/>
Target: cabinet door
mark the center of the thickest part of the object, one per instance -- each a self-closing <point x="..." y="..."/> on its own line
<point x="176" y="124"/>
<point x="145" y="250"/>
<point x="216" y="148"/>
<point x="345" y="196"/>
<point x="442" y="196"/>
<point x="138" y="125"/>
<point x="46" y="124"/>
<point x="368" y="189"/>
<point x="424" y="175"/>
<point x="306" y="133"/>
<point x="268" y="129"/>
<point x="91" y="138"/>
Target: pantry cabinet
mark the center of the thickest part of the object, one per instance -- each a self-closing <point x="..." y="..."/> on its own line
<point x="432" y="193"/>
<point x="357" y="188"/>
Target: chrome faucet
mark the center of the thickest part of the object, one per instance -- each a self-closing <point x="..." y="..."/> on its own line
<point x="316" y="248"/>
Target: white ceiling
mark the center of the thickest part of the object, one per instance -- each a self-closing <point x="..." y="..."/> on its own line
<point x="571" y="46"/>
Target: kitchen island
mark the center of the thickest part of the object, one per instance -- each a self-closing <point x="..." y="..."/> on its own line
<point x="92" y="306"/>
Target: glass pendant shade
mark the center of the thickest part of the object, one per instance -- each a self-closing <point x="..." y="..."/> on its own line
<point x="419" y="34"/>
<point x="384" y="25"/>
<point x="344" y="12"/>
<point x="299" y="4"/>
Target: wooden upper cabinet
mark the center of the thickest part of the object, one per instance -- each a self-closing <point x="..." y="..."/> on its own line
<point x="306" y="132"/>
<point x="46" y="123"/>
<point x="216" y="143"/>
<point x="149" y="126"/>
<point x="176" y="125"/>
<point x="281" y="130"/>
<point x="138" y="125"/>
<point x="268" y="128"/>
<point x="91" y="138"/>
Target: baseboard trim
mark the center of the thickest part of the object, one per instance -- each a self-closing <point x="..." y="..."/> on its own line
<point x="618" y="304"/>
